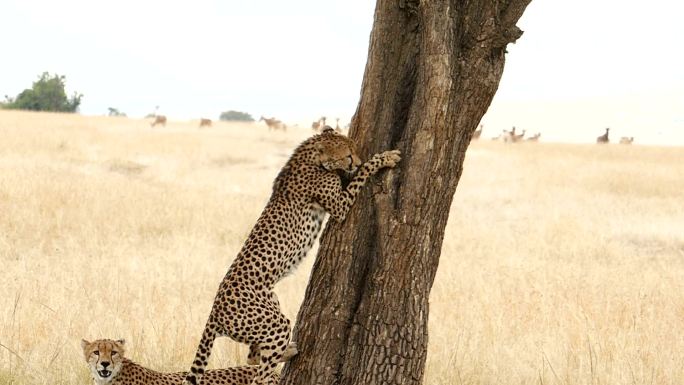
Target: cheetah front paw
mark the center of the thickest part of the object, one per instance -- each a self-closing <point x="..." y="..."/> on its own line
<point x="290" y="352"/>
<point x="389" y="158"/>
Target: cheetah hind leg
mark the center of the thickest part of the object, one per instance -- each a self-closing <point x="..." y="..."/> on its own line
<point x="272" y="348"/>
<point x="254" y="357"/>
<point x="269" y="360"/>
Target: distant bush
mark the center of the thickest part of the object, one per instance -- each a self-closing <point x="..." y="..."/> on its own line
<point x="46" y="94"/>
<point x="236" y="116"/>
<point x="115" y="112"/>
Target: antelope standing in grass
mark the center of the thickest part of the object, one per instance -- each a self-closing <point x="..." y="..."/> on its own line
<point x="626" y="140"/>
<point x="534" y="138"/>
<point x="518" y="137"/>
<point x="159" y="119"/>
<point x="603" y="138"/>
<point x="508" y="136"/>
<point x="205" y="123"/>
<point x="273" y="123"/>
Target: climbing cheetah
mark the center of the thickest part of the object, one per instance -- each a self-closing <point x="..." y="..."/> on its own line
<point x="109" y="366"/>
<point x="310" y="184"/>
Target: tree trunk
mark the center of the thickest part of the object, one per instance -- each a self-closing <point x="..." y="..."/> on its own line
<point x="433" y="68"/>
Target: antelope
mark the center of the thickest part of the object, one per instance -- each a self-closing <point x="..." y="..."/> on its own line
<point x="205" y="122"/>
<point x="319" y="124"/>
<point x="517" y="138"/>
<point x="508" y="136"/>
<point x="159" y="119"/>
<point x="534" y="138"/>
<point x="477" y="133"/>
<point x="273" y="123"/>
<point x="603" y="138"/>
<point x="626" y="140"/>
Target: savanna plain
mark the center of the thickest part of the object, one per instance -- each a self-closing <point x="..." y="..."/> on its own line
<point x="561" y="264"/>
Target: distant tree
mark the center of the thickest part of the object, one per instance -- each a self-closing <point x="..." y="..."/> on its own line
<point x="236" y="116"/>
<point x="46" y="94"/>
<point x="4" y="103"/>
<point x="115" y="112"/>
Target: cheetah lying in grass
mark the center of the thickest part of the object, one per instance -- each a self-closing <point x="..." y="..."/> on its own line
<point x="109" y="366"/>
<point x="245" y="308"/>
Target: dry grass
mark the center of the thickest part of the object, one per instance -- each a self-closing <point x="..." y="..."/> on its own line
<point x="562" y="264"/>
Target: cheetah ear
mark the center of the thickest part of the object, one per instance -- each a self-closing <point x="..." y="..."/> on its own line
<point x="121" y="342"/>
<point x="84" y="343"/>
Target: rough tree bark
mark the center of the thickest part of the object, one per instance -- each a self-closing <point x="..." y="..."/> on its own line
<point x="433" y="68"/>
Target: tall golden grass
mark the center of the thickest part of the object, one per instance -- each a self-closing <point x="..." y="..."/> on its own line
<point x="562" y="264"/>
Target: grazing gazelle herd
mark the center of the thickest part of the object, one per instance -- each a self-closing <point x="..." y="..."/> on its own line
<point x="603" y="139"/>
<point x="272" y="123"/>
<point x="510" y="136"/>
<point x="506" y="136"/>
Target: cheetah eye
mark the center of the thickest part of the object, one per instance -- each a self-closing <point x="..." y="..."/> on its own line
<point x="114" y="353"/>
<point x="97" y="353"/>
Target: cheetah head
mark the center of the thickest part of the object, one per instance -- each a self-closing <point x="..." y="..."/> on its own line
<point x="104" y="358"/>
<point x="337" y="152"/>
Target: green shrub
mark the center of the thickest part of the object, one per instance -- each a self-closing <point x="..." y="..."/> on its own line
<point x="115" y="112"/>
<point x="46" y="94"/>
<point x="236" y="116"/>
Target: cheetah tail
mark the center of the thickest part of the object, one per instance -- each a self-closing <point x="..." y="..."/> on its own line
<point x="202" y="356"/>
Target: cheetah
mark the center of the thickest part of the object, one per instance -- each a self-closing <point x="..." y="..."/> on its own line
<point x="311" y="183"/>
<point x="109" y="366"/>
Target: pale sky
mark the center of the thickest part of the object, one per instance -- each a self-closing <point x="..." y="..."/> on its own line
<point x="580" y="66"/>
